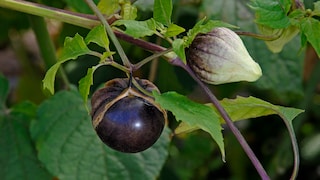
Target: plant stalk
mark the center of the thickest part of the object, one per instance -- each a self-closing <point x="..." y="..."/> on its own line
<point x="78" y="19"/>
<point x="226" y="117"/>
<point x="150" y="58"/>
<point x="112" y="36"/>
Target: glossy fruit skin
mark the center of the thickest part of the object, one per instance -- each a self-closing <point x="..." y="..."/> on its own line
<point x="124" y="118"/>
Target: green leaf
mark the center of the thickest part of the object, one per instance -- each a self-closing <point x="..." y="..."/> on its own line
<point x="108" y="7"/>
<point x="173" y="30"/>
<point x="178" y="47"/>
<point x="18" y="157"/>
<point x="138" y="29"/>
<point x="99" y="36"/>
<point x="128" y="12"/>
<point x="162" y="11"/>
<point x="251" y="107"/>
<point x="70" y="149"/>
<point x="271" y="13"/>
<point x="48" y="81"/>
<point x="310" y="28"/>
<point x="73" y="47"/>
<point x="194" y="114"/>
<point x="85" y="84"/>
<point x="242" y="108"/>
<point x="4" y="90"/>
<point x="201" y="27"/>
<point x="285" y="35"/>
<point x="316" y="10"/>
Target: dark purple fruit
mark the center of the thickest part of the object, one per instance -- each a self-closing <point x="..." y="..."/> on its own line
<point x="124" y="118"/>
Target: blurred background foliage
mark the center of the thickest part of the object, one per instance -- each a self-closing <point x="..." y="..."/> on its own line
<point x="290" y="78"/>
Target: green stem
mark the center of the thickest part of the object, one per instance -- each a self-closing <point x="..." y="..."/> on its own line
<point x="112" y="36"/>
<point x="261" y="36"/>
<point x="45" y="44"/>
<point x="78" y="19"/>
<point x="150" y="58"/>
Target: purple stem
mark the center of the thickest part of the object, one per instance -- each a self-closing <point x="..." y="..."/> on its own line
<point x="177" y="62"/>
<point x="226" y="117"/>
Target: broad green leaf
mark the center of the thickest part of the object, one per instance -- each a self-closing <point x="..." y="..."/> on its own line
<point x="138" y="28"/>
<point x="316" y="10"/>
<point x="194" y="114"/>
<point x="48" y="80"/>
<point x="178" y="47"/>
<point x="284" y="36"/>
<point x="173" y="30"/>
<point x="251" y="107"/>
<point x="18" y="157"/>
<point x="128" y="12"/>
<point x="271" y="13"/>
<point x="310" y="28"/>
<point x="99" y="36"/>
<point x="162" y="11"/>
<point x="201" y="27"/>
<point x="242" y="108"/>
<point x="70" y="149"/>
<point x="85" y="84"/>
<point x="108" y="7"/>
<point x="4" y="90"/>
<point x="73" y="47"/>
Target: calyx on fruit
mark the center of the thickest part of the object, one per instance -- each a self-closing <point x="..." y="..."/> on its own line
<point x="126" y="119"/>
<point x="220" y="57"/>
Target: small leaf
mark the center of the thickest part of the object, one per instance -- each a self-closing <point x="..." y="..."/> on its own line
<point x="193" y="114"/>
<point x="310" y="28"/>
<point x="162" y="11"/>
<point x="173" y="30"/>
<point x="138" y="28"/>
<point x="108" y="7"/>
<point x="99" y="36"/>
<point x="178" y="47"/>
<point x="18" y="157"/>
<point x="70" y="149"/>
<point x="48" y="81"/>
<point x="285" y="35"/>
<point x="271" y="13"/>
<point x="4" y="90"/>
<point x="128" y="12"/>
<point x="85" y="84"/>
<point x="200" y="27"/>
<point x="251" y="107"/>
<point x="73" y="48"/>
<point x="316" y="10"/>
<point x="242" y="108"/>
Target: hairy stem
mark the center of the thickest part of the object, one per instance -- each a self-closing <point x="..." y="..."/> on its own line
<point x="261" y="36"/>
<point x="112" y="36"/>
<point x="78" y="19"/>
<point x="150" y="58"/>
<point x="226" y="117"/>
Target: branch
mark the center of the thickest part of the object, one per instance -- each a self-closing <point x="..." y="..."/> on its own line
<point x="226" y="117"/>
